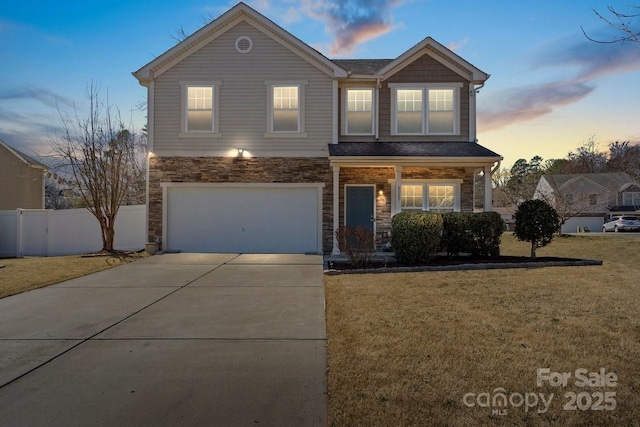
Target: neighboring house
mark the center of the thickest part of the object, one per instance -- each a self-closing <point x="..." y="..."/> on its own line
<point x="22" y="180"/>
<point x="259" y="143"/>
<point x="587" y="200"/>
<point x="507" y="214"/>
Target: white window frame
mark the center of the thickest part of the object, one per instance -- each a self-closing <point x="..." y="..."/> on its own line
<point x="425" y="183"/>
<point x="632" y="195"/>
<point x="345" y="110"/>
<point x="215" y="106"/>
<point x="300" y="132"/>
<point x="422" y="187"/>
<point x="424" y="88"/>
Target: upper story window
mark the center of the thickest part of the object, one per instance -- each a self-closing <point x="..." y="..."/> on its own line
<point x="358" y="116"/>
<point x="285" y="108"/>
<point x="631" y="198"/>
<point x="409" y="116"/>
<point x="200" y="108"/>
<point x="429" y="109"/>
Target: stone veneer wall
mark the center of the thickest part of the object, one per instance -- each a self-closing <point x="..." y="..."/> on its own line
<point x="381" y="176"/>
<point x="225" y="169"/>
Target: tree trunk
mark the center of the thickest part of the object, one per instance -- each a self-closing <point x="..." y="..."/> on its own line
<point x="533" y="249"/>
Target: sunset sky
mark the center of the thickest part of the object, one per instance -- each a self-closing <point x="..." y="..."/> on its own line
<point x="550" y="87"/>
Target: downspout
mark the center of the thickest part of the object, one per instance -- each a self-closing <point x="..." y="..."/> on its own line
<point x="376" y="119"/>
<point x="473" y="127"/>
<point x="494" y="170"/>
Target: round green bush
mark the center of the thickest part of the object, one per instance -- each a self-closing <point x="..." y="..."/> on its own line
<point x="415" y="236"/>
<point x="536" y="222"/>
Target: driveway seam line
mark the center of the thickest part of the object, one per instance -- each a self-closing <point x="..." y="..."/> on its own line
<point x="83" y="340"/>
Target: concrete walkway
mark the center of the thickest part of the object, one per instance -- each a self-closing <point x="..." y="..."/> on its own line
<point x="175" y="339"/>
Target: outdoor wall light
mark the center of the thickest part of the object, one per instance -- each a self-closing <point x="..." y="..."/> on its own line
<point x="240" y="152"/>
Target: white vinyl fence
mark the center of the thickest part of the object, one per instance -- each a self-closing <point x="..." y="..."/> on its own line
<point x="45" y="232"/>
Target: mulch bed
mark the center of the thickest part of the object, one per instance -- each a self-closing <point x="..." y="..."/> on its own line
<point x="444" y="263"/>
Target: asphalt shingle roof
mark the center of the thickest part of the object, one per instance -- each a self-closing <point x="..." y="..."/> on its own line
<point x="610" y="180"/>
<point x="410" y="149"/>
<point x="362" y="66"/>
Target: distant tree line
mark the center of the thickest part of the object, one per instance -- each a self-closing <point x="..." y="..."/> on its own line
<point x="517" y="184"/>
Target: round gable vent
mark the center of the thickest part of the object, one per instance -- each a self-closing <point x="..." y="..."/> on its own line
<point x="244" y="44"/>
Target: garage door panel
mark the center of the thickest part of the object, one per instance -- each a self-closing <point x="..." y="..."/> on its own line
<point x="246" y="219"/>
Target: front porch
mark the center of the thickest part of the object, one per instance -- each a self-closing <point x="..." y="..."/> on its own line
<point x="370" y="193"/>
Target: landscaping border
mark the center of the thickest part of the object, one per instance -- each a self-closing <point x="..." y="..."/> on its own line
<point x="468" y="267"/>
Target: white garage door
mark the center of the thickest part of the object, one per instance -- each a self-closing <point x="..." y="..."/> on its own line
<point x="594" y="224"/>
<point x="258" y="218"/>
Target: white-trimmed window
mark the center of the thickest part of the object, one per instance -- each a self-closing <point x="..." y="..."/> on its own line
<point x="285" y="108"/>
<point x="441" y="197"/>
<point x="438" y="195"/>
<point x="409" y="114"/>
<point x="359" y="111"/>
<point x="411" y="197"/>
<point x="631" y="198"/>
<point x="200" y="108"/>
<point x="428" y="109"/>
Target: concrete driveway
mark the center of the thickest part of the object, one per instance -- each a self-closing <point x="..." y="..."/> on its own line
<point x="175" y="339"/>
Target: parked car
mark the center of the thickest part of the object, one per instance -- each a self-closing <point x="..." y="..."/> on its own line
<point x="622" y="223"/>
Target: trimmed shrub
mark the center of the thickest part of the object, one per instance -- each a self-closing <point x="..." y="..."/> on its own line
<point x="455" y="233"/>
<point x="415" y="236"/>
<point x="536" y="222"/>
<point x="485" y="231"/>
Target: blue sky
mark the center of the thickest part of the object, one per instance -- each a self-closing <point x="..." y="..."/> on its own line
<point x="550" y="88"/>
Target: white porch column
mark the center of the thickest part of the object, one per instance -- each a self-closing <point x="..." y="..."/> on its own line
<point x="488" y="190"/>
<point x="336" y="207"/>
<point x="398" y="192"/>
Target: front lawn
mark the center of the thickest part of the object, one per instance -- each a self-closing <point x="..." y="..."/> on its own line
<point x="23" y="274"/>
<point x="429" y="348"/>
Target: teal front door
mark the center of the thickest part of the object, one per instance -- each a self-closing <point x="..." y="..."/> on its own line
<point x="359" y="205"/>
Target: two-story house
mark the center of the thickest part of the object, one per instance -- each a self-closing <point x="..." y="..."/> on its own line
<point x="587" y="200"/>
<point x="259" y="143"/>
<point x="22" y="179"/>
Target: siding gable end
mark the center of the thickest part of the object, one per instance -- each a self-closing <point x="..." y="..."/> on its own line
<point x="239" y="14"/>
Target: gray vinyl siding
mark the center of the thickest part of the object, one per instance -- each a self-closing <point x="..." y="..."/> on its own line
<point x="22" y="185"/>
<point x="243" y="97"/>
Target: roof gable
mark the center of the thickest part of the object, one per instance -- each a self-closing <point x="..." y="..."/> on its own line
<point x="239" y="13"/>
<point x="28" y="160"/>
<point x="440" y="53"/>
<point x="613" y="181"/>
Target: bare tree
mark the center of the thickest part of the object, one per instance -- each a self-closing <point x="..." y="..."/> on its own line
<point x="104" y="158"/>
<point x="181" y="34"/>
<point x="588" y="158"/>
<point x="621" y="22"/>
<point x="624" y="157"/>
